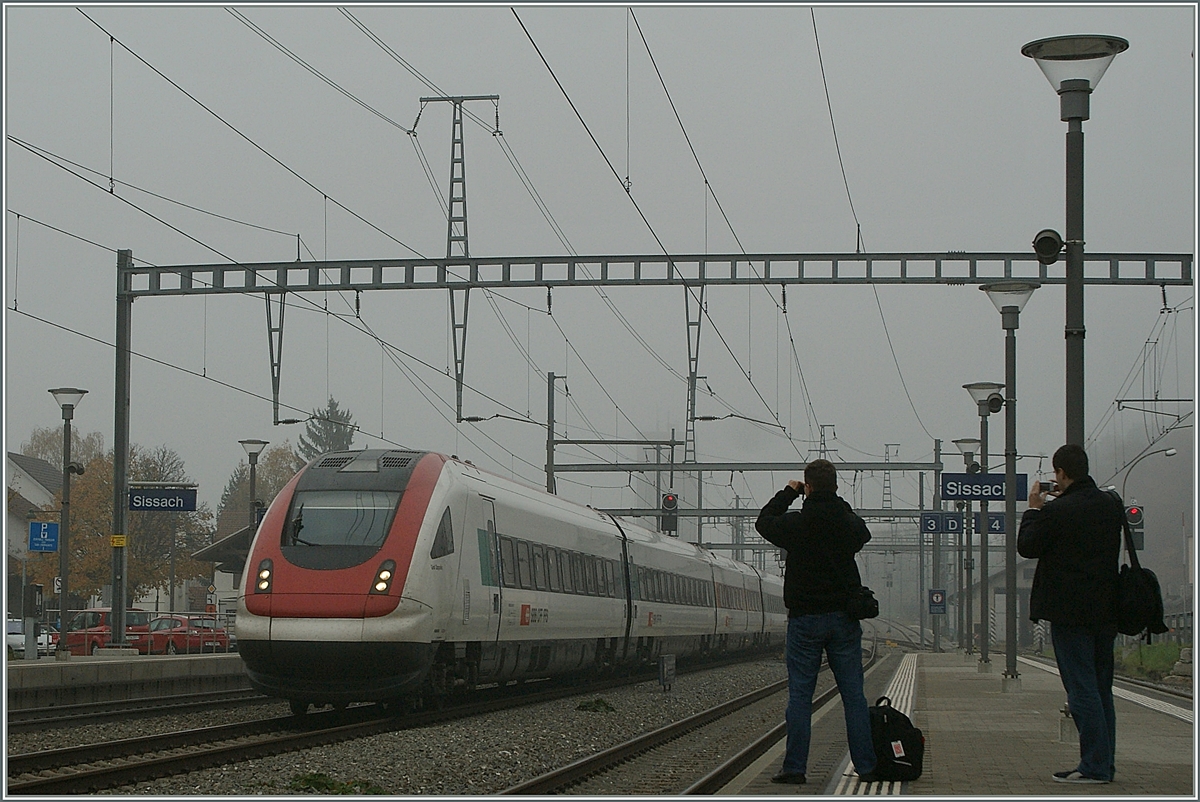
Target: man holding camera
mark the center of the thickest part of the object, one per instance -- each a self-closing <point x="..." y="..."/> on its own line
<point x="821" y="541"/>
<point x="1077" y="542"/>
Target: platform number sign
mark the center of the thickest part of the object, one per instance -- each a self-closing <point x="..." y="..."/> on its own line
<point x="937" y="602"/>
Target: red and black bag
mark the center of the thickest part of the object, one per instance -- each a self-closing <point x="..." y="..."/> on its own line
<point x="899" y="746"/>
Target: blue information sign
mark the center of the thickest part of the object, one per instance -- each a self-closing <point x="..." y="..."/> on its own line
<point x="995" y="523"/>
<point x="163" y="499"/>
<point x="936" y="522"/>
<point x="980" y="486"/>
<point x="43" y="536"/>
<point x="937" y="602"/>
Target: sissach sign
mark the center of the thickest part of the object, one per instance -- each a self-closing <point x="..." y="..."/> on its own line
<point x="980" y="486"/>
<point x="163" y="499"/>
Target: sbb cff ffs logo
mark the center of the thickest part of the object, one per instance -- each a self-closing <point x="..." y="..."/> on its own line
<point x="1135" y="517"/>
<point x="670" y="512"/>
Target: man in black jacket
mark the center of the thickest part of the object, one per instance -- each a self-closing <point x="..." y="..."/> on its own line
<point x="1076" y="539"/>
<point x="821" y="541"/>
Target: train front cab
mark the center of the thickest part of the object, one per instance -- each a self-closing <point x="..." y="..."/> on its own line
<point x="324" y="614"/>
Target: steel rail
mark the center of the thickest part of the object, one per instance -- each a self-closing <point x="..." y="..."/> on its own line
<point x="558" y="779"/>
<point x="37" y="717"/>
<point x="141" y="758"/>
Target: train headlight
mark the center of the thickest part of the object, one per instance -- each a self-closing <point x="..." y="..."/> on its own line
<point x="262" y="582"/>
<point x="383" y="578"/>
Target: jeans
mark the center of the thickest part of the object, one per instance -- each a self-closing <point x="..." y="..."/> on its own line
<point x="840" y="638"/>
<point x="1085" y="663"/>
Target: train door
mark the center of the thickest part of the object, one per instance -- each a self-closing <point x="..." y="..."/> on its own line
<point x="489" y="566"/>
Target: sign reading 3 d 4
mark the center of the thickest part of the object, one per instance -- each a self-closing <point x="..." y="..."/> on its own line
<point x="980" y="486"/>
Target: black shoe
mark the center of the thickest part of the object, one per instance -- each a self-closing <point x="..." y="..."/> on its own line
<point x="1073" y="776"/>
<point x="869" y="777"/>
<point x="787" y="778"/>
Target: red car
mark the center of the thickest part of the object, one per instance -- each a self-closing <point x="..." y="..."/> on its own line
<point x="91" y="630"/>
<point x="182" y="633"/>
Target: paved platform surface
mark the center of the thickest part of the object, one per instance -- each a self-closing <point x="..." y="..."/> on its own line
<point x="983" y="741"/>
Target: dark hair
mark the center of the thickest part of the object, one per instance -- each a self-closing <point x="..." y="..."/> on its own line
<point x="1073" y="461"/>
<point x="821" y="475"/>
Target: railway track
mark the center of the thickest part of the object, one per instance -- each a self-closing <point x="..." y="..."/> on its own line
<point x="94" y="767"/>
<point x="659" y="756"/>
<point x="93" y="712"/>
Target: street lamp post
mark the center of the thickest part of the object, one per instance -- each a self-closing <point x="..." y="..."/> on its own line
<point x="987" y="400"/>
<point x="1074" y="66"/>
<point x="68" y="398"/>
<point x="253" y="449"/>
<point x="1170" y="452"/>
<point x="1010" y="298"/>
<point x="969" y="446"/>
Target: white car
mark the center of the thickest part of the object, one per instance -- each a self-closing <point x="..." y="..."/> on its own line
<point x="15" y="639"/>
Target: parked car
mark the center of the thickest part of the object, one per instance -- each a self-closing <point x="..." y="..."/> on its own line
<point x="90" y="631"/>
<point x="181" y="633"/>
<point x="15" y="639"/>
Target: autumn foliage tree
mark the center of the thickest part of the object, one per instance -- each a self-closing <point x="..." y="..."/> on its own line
<point x="275" y="468"/>
<point x="149" y="534"/>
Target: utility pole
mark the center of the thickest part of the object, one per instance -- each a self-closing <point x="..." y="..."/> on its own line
<point x="456" y="229"/>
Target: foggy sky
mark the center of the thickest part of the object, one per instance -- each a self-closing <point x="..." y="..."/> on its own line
<point x="949" y="138"/>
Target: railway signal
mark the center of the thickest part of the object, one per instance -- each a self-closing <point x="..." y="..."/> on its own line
<point x="670" y="513"/>
<point x="1135" y="517"/>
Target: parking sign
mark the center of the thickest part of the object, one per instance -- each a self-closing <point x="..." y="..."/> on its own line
<point x="43" y="536"/>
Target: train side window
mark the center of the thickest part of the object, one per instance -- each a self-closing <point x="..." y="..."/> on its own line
<point x="524" y="574"/>
<point x="659" y="595"/>
<point x="577" y="574"/>
<point x="590" y="570"/>
<point x="675" y="595"/>
<point x="508" y="562"/>
<point x="568" y="580"/>
<point x="552" y="566"/>
<point x="539" y="567"/>
<point x="610" y="580"/>
<point x="443" y="541"/>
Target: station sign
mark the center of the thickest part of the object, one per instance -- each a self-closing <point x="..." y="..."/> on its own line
<point x="43" y="536"/>
<point x="980" y="486"/>
<point x="937" y="602"/>
<point x="163" y="499"/>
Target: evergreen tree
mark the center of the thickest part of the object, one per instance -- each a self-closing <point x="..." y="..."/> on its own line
<point x="329" y="429"/>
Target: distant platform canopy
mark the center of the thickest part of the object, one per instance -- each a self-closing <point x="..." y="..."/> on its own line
<point x="229" y="553"/>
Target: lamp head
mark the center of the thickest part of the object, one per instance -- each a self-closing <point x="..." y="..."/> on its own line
<point x="1081" y="57"/>
<point x="1004" y="294"/>
<point x="253" y="447"/>
<point x="68" y="396"/>
<point x="967" y="446"/>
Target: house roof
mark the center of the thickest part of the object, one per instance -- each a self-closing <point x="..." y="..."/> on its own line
<point x="40" y="471"/>
<point x="229" y="553"/>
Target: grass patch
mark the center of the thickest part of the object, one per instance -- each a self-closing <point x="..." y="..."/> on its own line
<point x="318" y="783"/>
<point x="1152" y="661"/>
<point x="596" y="706"/>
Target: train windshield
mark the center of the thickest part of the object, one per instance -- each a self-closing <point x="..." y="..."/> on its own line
<point x="340" y="518"/>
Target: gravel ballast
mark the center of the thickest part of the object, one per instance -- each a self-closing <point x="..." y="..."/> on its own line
<point x="480" y="755"/>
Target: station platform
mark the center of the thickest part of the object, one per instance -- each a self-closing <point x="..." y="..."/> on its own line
<point x="983" y="741"/>
<point x="84" y="679"/>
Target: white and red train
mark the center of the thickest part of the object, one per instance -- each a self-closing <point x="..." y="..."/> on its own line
<point x="382" y="575"/>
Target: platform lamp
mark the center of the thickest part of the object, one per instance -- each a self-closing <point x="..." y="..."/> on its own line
<point x="1074" y="66"/>
<point x="68" y="398"/>
<point x="969" y="447"/>
<point x="988" y="400"/>
<point x="253" y="449"/>
<point x="1010" y="298"/>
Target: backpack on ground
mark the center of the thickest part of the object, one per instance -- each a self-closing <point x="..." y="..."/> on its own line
<point x="899" y="746"/>
<point x="1139" y="597"/>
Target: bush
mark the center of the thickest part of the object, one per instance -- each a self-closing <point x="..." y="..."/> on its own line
<point x="1151" y="661"/>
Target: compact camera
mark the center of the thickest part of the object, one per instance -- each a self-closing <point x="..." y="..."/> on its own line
<point x="1048" y="486"/>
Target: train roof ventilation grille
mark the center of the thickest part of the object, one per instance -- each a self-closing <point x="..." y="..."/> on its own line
<point x="335" y="462"/>
<point x="394" y="461"/>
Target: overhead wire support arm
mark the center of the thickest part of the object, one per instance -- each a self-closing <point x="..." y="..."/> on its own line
<point x="616" y="270"/>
